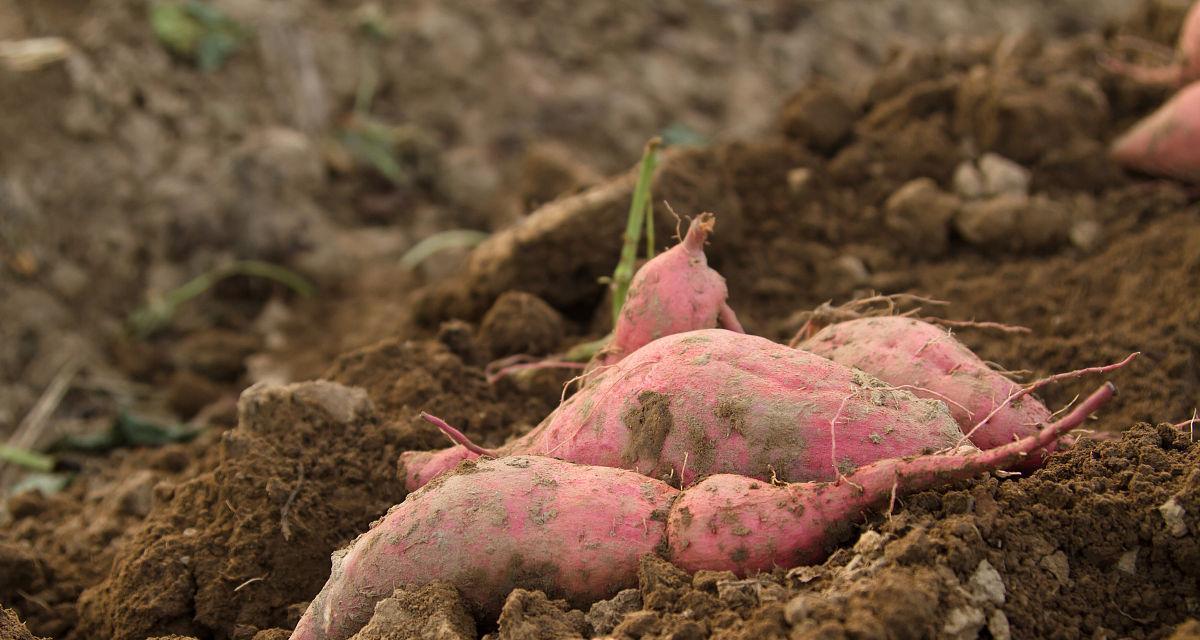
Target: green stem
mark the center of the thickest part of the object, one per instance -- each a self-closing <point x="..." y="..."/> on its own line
<point x="154" y="316"/>
<point x="586" y="350"/>
<point x="450" y="239"/>
<point x="25" y="458"/>
<point x="368" y="80"/>
<point x="633" y="228"/>
<point x="649" y="229"/>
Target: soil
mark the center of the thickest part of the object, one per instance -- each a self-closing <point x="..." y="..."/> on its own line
<point x="127" y="162"/>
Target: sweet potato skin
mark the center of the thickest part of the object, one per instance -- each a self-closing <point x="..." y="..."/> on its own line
<point x="907" y="351"/>
<point x="674" y="292"/>
<point x="574" y="532"/>
<point x="1166" y="142"/>
<point x="714" y="401"/>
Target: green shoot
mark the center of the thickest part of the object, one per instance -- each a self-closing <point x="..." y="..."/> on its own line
<point x="196" y="31"/>
<point x="451" y="239"/>
<point x="371" y="23"/>
<point x="128" y="430"/>
<point x="633" y="227"/>
<point x="649" y="228"/>
<point x="375" y="143"/>
<point x="678" y="134"/>
<point x="156" y="315"/>
<point x="24" y="458"/>
<point x="586" y="350"/>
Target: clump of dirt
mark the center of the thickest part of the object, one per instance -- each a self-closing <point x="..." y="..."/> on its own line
<point x="548" y="171"/>
<point x="1189" y="630"/>
<point x="234" y="549"/>
<point x="433" y="612"/>
<point x="520" y="323"/>
<point x="11" y="627"/>
<point x="649" y="423"/>
<point x="56" y="546"/>
<point x="530" y="614"/>
<point x="406" y="377"/>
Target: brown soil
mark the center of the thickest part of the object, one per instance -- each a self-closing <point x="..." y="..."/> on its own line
<point x="432" y="612"/>
<point x="11" y="627"/>
<point x="229" y="536"/>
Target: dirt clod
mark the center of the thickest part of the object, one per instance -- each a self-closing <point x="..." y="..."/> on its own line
<point x="11" y="627"/>
<point x="1013" y="222"/>
<point x="520" y="323"/>
<point x="432" y="612"/>
<point x="308" y="467"/>
<point x="531" y="615"/>
<point x="920" y="213"/>
<point x="605" y="615"/>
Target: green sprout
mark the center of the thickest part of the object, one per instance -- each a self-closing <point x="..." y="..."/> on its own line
<point x="640" y="211"/>
<point x="159" y="312"/>
<point x="197" y="31"/>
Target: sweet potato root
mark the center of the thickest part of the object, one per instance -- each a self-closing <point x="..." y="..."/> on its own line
<point x="714" y="401"/>
<point x="1166" y="142"/>
<point x="577" y="531"/>
<point x="674" y="292"/>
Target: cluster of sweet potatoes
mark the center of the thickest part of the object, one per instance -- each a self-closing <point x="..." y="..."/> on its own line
<point x="577" y="531"/>
<point x="716" y="449"/>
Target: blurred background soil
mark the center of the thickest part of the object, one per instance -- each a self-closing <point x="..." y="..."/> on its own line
<point x="948" y="149"/>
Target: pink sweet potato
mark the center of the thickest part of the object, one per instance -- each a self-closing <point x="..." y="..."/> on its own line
<point x="572" y="531"/>
<point x="713" y="401"/>
<point x="737" y="524"/>
<point x="674" y="292"/>
<point x="577" y="532"/>
<point x="1166" y="142"/>
<point x="933" y="364"/>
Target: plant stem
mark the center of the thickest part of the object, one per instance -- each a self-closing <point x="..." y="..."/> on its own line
<point x="26" y="458"/>
<point x="649" y="229"/>
<point x="450" y="239"/>
<point x="633" y="227"/>
<point x="158" y="313"/>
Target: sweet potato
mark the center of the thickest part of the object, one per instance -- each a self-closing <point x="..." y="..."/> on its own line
<point x="738" y="524"/>
<point x="931" y="363"/>
<point x="1166" y="142"/>
<point x="715" y="401"/>
<point x="576" y="531"/>
<point x="573" y="531"/>
<point x="674" y="292"/>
